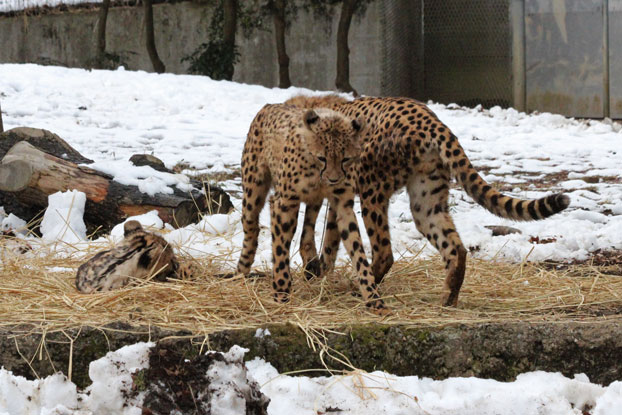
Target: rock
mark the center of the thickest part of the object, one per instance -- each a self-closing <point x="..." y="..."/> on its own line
<point x="498" y="230"/>
<point x="149" y="160"/>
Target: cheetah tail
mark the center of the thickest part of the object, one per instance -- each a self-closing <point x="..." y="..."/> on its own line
<point x="453" y="155"/>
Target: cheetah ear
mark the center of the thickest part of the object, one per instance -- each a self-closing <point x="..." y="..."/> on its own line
<point x="310" y="118"/>
<point x="358" y="124"/>
<point x="131" y="226"/>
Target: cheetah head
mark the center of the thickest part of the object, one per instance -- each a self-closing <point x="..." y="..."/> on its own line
<point x="333" y="141"/>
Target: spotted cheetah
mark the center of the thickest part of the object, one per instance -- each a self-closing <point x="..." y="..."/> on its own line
<point x="140" y="255"/>
<point x="407" y="145"/>
<point x="307" y="156"/>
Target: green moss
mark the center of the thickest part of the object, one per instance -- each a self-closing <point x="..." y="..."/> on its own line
<point x="140" y="381"/>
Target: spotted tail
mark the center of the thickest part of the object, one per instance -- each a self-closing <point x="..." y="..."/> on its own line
<point x="453" y="155"/>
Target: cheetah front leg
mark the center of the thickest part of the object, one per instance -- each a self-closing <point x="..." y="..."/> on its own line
<point x="284" y="217"/>
<point x="308" y="251"/>
<point x="330" y="246"/>
<point x="351" y="237"/>
<point x="375" y="206"/>
<point x="256" y="187"/>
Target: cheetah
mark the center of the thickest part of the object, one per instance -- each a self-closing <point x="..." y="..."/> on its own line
<point x="306" y="156"/>
<point x="407" y="145"/>
<point x="140" y="255"/>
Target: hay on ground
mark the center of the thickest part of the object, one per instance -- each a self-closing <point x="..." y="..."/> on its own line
<point x="38" y="292"/>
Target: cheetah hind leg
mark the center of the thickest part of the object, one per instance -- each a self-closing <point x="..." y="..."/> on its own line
<point x="430" y="212"/>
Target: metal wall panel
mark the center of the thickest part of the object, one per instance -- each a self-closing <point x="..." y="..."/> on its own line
<point x="615" y="58"/>
<point x="564" y="56"/>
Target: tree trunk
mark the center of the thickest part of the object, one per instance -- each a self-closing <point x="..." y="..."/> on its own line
<point x="28" y="175"/>
<point x="158" y="66"/>
<point x="1" y="125"/>
<point x="101" y="35"/>
<point x="279" y="33"/>
<point x="343" y="52"/>
<point x="230" y="9"/>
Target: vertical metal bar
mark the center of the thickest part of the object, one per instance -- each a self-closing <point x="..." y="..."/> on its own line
<point x="519" y="81"/>
<point x="606" y="86"/>
<point x="424" y="88"/>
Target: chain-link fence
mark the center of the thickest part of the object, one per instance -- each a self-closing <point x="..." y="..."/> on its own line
<point x="448" y="51"/>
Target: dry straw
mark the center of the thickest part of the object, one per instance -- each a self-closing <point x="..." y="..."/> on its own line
<point x="38" y="292"/>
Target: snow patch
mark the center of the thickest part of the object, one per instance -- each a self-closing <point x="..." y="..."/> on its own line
<point x="63" y="218"/>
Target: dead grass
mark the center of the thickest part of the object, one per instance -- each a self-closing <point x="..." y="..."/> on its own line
<point x="35" y="296"/>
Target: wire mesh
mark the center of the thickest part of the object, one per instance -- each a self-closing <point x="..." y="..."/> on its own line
<point x="402" y="52"/>
<point x="467" y="52"/>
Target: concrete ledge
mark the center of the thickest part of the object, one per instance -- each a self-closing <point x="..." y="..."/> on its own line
<point x="497" y="351"/>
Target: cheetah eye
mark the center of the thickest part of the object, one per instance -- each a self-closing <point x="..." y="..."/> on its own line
<point x="348" y="160"/>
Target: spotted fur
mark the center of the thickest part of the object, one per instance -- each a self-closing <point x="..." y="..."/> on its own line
<point x="407" y="145"/>
<point x="140" y="255"/>
<point x="307" y="156"/>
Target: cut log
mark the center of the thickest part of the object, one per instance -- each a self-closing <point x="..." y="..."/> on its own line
<point x="30" y="175"/>
<point x="43" y="140"/>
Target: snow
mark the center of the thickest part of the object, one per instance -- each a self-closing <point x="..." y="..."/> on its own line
<point x="108" y="394"/>
<point x="149" y="220"/>
<point x="147" y="179"/>
<point x="112" y="380"/>
<point x="382" y="393"/>
<point x="357" y="393"/>
<point x="182" y="119"/>
<point x="229" y="384"/>
<point x="63" y="219"/>
<point x="11" y="223"/>
<point x="14" y="5"/>
<point x="110" y="115"/>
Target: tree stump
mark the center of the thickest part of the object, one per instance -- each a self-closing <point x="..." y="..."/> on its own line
<point x="29" y="175"/>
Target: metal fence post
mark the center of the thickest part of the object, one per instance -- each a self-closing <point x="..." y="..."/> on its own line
<point x="606" y="85"/>
<point x="517" y="22"/>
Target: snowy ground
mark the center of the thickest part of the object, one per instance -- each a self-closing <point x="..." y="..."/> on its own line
<point x="358" y="393"/>
<point x="110" y="115"/>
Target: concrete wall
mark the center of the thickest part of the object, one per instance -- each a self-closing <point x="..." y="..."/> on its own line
<point x="68" y="39"/>
<point x="615" y="57"/>
<point x="564" y="56"/>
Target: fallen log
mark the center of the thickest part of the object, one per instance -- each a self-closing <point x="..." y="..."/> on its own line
<point x="43" y="140"/>
<point x="30" y="175"/>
